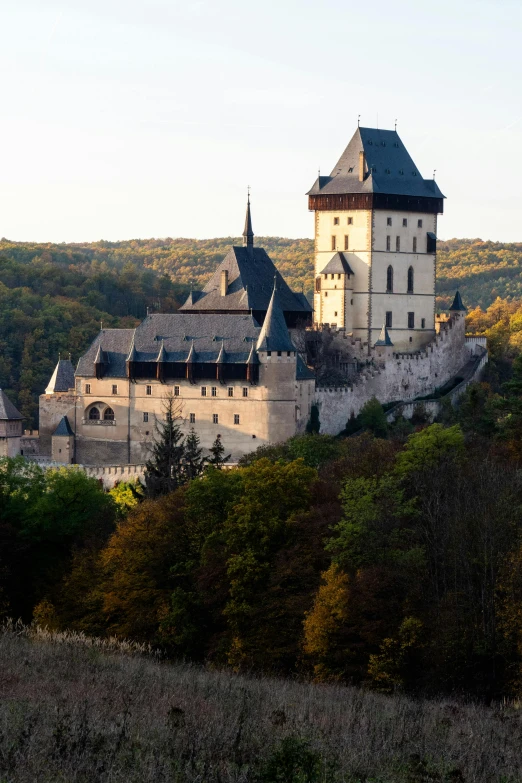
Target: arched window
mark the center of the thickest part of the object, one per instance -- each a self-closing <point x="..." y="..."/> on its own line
<point x="389" y="280"/>
<point x="410" y="280"/>
<point x="94" y="414"/>
<point x="108" y="414"/>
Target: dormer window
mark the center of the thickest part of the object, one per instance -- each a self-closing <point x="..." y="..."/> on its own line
<point x="336" y="221"/>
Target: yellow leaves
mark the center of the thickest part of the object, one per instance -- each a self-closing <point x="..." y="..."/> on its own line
<point x="327" y="616"/>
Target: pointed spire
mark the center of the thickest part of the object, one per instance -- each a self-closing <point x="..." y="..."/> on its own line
<point x="384" y="338"/>
<point x="62" y="378"/>
<point x="458" y="304"/>
<point x="274" y="334"/>
<point x="248" y="234"/>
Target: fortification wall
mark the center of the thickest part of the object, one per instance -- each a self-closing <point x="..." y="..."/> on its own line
<point x="394" y="377"/>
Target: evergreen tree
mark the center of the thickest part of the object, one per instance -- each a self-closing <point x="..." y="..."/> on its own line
<point x="314" y="425"/>
<point x="217" y="450"/>
<point x="165" y="469"/>
<point x="193" y="461"/>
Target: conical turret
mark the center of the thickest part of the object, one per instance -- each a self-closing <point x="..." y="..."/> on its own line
<point x="248" y="234"/>
<point x="384" y="338"/>
<point x="458" y="304"/>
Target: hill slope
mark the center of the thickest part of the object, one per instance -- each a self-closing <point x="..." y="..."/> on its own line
<point x="74" y="710"/>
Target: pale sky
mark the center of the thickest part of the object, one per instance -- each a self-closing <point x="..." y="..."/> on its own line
<point x="129" y="119"/>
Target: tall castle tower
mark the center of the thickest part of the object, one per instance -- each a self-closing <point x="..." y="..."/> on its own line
<point x="375" y="242"/>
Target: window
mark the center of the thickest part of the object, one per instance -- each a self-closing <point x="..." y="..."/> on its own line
<point x="94" y="414"/>
<point x="388" y="243"/>
<point x="108" y="414"/>
<point x="397" y="244"/>
<point x="245" y="391"/>
<point x="334" y="244"/>
<point x="389" y="319"/>
<point x="339" y="276"/>
<point x="230" y="391"/>
<point x="431" y="243"/>
<point x="145" y="417"/>
<point x="87" y="388"/>
<point x="114" y="388"/>
<point x="279" y="353"/>
<point x="215" y="418"/>
<point x="326" y="294"/>
<point x="335" y="313"/>
<point x="405" y="222"/>
<point x="346" y="241"/>
<point x="236" y="418"/>
<point x="410" y="280"/>
<point x="203" y="391"/>
<point x="388" y="221"/>
<point x="149" y="390"/>
<point x="414" y="244"/>
<point x="213" y="391"/>
<point x="419" y="223"/>
<point x="350" y="221"/>
<point x="336" y="221"/>
<point x="317" y="285"/>
<point x="423" y="323"/>
<point x="176" y="391"/>
<point x="269" y="353"/>
<point x="192" y="418"/>
<point x="332" y="276"/>
<point x="411" y="320"/>
<point x="389" y="280"/>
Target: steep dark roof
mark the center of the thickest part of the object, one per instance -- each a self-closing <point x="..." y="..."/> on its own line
<point x="303" y="373"/>
<point x="206" y="333"/>
<point x="251" y="274"/>
<point x="62" y="378"/>
<point x="384" y="337"/>
<point x="458" y="304"/>
<point x="7" y="409"/>
<point x="274" y="334"/>
<point x="64" y="428"/>
<point x="337" y="265"/>
<point x="389" y="168"/>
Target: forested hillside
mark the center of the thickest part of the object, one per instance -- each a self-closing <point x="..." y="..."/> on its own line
<point x="54" y="296"/>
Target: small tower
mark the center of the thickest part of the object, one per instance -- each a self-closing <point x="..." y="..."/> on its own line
<point x="10" y="427"/>
<point x="384" y="346"/>
<point x="248" y="234"/>
<point x="62" y="448"/>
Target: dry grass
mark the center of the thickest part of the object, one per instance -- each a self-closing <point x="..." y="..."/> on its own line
<point x="75" y="709"/>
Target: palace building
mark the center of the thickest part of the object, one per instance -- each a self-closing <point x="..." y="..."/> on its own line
<point x="241" y="356"/>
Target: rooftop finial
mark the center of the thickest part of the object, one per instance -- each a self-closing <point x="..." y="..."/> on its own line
<point x="248" y="234"/>
<point x="358" y="120"/>
<point x="275" y="282"/>
<point x="434" y="172"/>
<point x="396" y="124"/>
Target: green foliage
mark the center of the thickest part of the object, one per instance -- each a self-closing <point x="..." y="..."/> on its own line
<point x="217" y="454"/>
<point x="193" y="460"/>
<point x="292" y="762"/>
<point x="314" y="425"/>
<point x="126" y="495"/>
<point x="373" y="418"/>
<point x="428" y="447"/>
<point x="165" y="469"/>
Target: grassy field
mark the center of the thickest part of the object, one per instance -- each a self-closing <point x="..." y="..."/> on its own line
<point x="74" y="709"/>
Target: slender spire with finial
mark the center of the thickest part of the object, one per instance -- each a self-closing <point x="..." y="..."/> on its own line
<point x="248" y="234"/>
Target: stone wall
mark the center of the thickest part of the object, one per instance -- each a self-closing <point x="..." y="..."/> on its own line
<point x="394" y="377"/>
<point x="52" y="409"/>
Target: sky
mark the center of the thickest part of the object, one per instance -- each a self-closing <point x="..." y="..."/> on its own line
<point x="125" y="119"/>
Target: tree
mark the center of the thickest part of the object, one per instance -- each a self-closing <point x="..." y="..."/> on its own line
<point x="217" y="451"/>
<point x="314" y="425"/>
<point x="373" y="418"/>
<point x="193" y="460"/>
<point x="164" y="471"/>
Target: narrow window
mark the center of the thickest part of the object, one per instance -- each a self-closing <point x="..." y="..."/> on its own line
<point x="431" y="243"/>
<point x="388" y="221"/>
<point x="192" y="418"/>
<point x="215" y="418"/>
<point x="230" y="391"/>
<point x="335" y="313"/>
<point x="350" y="221"/>
<point x="423" y="323"/>
<point x="108" y="414"/>
<point x="410" y="280"/>
<point x="411" y="320"/>
<point x="145" y="417"/>
<point x="318" y="285"/>
<point x="388" y="243"/>
<point x="236" y="418"/>
<point x="419" y="223"/>
<point x="203" y="391"/>
<point x="269" y="353"/>
<point x="405" y="222"/>
<point x="336" y="221"/>
<point x="149" y="390"/>
<point x="245" y="391"/>
<point x="414" y="244"/>
<point x="397" y="244"/>
<point x="114" y="389"/>
<point x="213" y="391"/>
<point x="333" y="243"/>
<point x="346" y="241"/>
<point x="87" y="388"/>
<point x="389" y="280"/>
<point x="279" y="353"/>
<point x="389" y="319"/>
<point x="94" y="414"/>
<point x="326" y="294"/>
<point x="176" y="391"/>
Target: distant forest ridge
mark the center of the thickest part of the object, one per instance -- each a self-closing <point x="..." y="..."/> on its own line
<point x="482" y="270"/>
<point x="53" y="297"/>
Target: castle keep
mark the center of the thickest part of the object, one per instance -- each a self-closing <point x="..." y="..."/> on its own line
<point x="246" y="357"/>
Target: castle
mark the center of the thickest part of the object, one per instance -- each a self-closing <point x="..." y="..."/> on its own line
<point x="247" y="358"/>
